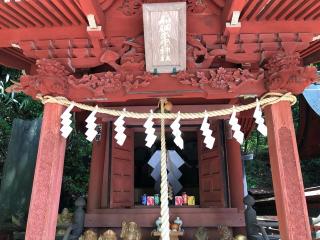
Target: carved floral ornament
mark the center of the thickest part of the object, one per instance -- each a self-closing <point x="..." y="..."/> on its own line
<point x="221" y="78"/>
<point x="53" y="78"/>
<point x="283" y="72"/>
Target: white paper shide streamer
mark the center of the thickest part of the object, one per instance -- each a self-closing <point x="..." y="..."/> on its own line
<point x="91" y="126"/>
<point x="207" y="132"/>
<point x="119" y="129"/>
<point x="66" y="121"/>
<point x="262" y="128"/>
<point x="150" y="131"/>
<point x="175" y="126"/>
<point x="235" y="126"/>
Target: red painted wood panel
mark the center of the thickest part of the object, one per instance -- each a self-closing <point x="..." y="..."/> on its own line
<point x="122" y="170"/>
<point x="145" y="217"/>
<point x="96" y="169"/>
<point x="211" y="177"/>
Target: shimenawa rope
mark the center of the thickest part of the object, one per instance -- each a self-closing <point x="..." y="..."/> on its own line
<point x="165" y="224"/>
<point x="267" y="99"/>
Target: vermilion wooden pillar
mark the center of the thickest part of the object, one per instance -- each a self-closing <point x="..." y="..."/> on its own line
<point x="286" y="173"/>
<point x="96" y="170"/>
<point x="235" y="174"/>
<point x="43" y="210"/>
<point x="235" y="171"/>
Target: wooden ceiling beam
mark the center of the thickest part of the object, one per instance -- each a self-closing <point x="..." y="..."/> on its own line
<point x="14" y="7"/>
<point x="76" y="11"/>
<point x="9" y="22"/>
<point x="9" y="36"/>
<point x="54" y="14"/>
<point x="284" y="9"/>
<point x="308" y="10"/>
<point x="248" y="8"/>
<point x="280" y="26"/>
<point x="96" y="21"/>
<point x="106" y="4"/>
<point x="13" y="61"/>
<point x="92" y="7"/>
<point x="230" y="7"/>
<point x="36" y="11"/>
<point x="66" y="11"/>
<point x="266" y="10"/>
<point x="290" y="15"/>
<point x="15" y="17"/>
<point x="264" y="5"/>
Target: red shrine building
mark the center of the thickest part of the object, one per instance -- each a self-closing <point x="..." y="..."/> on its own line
<point x="219" y="53"/>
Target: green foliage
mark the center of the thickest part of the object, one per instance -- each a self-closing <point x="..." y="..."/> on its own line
<point x="76" y="169"/>
<point x="13" y="106"/>
<point x="258" y="170"/>
<point x="310" y="171"/>
<point x="19" y="105"/>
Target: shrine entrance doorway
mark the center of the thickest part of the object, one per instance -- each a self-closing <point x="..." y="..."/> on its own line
<point x="144" y="182"/>
<point x="203" y="174"/>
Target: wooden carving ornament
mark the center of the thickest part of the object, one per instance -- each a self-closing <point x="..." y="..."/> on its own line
<point x="222" y="78"/>
<point x="285" y="73"/>
<point x="100" y="84"/>
<point x="50" y="79"/>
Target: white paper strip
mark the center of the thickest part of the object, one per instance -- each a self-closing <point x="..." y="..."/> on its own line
<point x="66" y="121"/>
<point x="262" y="128"/>
<point x="91" y="125"/>
<point x="120" y="135"/>
<point x="207" y="133"/>
<point x="175" y="126"/>
<point x="235" y="126"/>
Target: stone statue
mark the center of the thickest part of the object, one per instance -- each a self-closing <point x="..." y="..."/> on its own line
<point x="108" y="235"/>
<point x="78" y="219"/>
<point x="130" y="231"/>
<point x="158" y="224"/>
<point x="65" y="217"/>
<point x="225" y="233"/>
<point x="64" y="221"/>
<point x="201" y="234"/>
<point x="89" y="235"/>
<point x="240" y="237"/>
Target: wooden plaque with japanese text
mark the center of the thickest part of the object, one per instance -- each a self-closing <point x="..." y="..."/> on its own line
<point x="165" y="36"/>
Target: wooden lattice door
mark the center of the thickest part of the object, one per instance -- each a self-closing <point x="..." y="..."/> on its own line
<point x="211" y="170"/>
<point x="122" y="172"/>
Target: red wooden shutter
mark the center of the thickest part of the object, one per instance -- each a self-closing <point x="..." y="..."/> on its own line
<point x="122" y="171"/>
<point x="211" y="170"/>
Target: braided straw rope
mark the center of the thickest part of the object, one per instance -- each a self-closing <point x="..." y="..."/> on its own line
<point x="267" y="99"/>
<point x="165" y="224"/>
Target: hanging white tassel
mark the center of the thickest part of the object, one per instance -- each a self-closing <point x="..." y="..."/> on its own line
<point x="120" y="136"/>
<point x="66" y="121"/>
<point x="235" y="126"/>
<point x="175" y="126"/>
<point x="207" y="133"/>
<point x="150" y="130"/>
<point x="91" y="125"/>
<point x="262" y="128"/>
